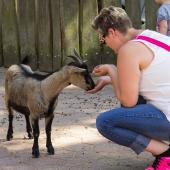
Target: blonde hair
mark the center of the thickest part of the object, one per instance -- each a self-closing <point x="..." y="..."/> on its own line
<point x="112" y="17"/>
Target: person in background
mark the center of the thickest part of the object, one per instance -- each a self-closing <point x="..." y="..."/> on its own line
<point x="163" y="17"/>
<point x="143" y="62"/>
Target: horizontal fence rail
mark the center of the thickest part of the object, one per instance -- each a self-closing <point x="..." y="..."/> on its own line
<point x="49" y="30"/>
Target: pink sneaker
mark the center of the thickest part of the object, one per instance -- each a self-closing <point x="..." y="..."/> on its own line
<point x="162" y="163"/>
<point x="149" y="168"/>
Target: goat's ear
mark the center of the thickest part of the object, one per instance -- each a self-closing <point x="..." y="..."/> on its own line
<point x="74" y="69"/>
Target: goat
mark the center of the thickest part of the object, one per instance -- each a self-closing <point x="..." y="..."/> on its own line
<point x="34" y="95"/>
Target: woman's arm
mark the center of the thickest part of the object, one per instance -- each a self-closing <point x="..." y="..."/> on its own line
<point x="124" y="78"/>
<point x="126" y="81"/>
<point x="163" y="27"/>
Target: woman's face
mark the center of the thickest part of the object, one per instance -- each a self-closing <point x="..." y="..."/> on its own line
<point x="111" y="39"/>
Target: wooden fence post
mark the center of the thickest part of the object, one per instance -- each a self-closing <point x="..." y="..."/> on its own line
<point x="90" y="43"/>
<point x="69" y="24"/>
<point x="107" y="3"/>
<point x="1" y="51"/>
<point x="133" y="9"/>
<point x="26" y="26"/>
<point x="151" y="14"/>
<point x="56" y="36"/>
<point x="44" y="36"/>
<point x="9" y="33"/>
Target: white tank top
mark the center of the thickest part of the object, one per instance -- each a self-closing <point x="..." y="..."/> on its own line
<point x="155" y="79"/>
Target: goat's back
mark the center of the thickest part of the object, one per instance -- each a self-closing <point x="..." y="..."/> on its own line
<point x="16" y="84"/>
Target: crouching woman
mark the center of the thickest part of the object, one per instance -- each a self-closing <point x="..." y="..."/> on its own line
<point x="143" y="62"/>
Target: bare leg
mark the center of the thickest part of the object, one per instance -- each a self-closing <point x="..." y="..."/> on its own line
<point x="157" y="147"/>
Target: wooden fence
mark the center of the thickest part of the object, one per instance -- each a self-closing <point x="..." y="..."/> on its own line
<point x="49" y="30"/>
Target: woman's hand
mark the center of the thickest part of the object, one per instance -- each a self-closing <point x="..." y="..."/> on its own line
<point x="100" y="83"/>
<point x="101" y="70"/>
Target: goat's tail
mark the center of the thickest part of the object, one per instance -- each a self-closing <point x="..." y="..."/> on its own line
<point x="26" y="60"/>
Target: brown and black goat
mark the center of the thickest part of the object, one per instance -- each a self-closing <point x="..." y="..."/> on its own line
<point x="35" y="95"/>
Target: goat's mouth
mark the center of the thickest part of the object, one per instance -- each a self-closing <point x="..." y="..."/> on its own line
<point x="89" y="88"/>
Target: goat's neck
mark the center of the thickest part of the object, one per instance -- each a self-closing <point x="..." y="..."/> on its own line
<point x="54" y="84"/>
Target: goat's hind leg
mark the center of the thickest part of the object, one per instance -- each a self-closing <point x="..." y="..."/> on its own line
<point x="10" y="126"/>
<point x="36" y="133"/>
<point x="28" y="126"/>
<point x="48" y="123"/>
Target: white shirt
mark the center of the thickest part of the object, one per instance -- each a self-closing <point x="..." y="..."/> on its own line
<point x="155" y="79"/>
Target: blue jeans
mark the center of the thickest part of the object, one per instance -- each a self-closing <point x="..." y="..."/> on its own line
<point x="134" y="127"/>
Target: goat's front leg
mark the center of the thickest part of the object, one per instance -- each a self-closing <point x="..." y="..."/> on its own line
<point x="10" y="127"/>
<point x="36" y="132"/>
<point x="48" y="123"/>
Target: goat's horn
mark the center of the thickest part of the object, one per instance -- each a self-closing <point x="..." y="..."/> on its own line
<point x="78" y="56"/>
<point x="75" y="59"/>
<point x="76" y="53"/>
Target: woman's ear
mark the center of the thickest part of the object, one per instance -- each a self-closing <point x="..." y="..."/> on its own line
<point x="111" y="32"/>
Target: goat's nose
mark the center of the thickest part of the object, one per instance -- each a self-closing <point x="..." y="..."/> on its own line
<point x="91" y="86"/>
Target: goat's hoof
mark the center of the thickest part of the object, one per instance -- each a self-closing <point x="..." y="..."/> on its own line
<point x="9" y="137"/>
<point x="35" y="153"/>
<point x="50" y="150"/>
<point x="30" y="136"/>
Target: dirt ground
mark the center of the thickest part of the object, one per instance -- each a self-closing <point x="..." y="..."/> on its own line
<point x="77" y="143"/>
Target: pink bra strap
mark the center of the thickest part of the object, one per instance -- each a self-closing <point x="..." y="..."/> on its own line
<point x="154" y="41"/>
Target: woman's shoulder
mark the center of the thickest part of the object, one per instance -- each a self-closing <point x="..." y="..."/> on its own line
<point x="134" y="50"/>
<point x="130" y="46"/>
<point x="129" y="51"/>
<point x="136" y="44"/>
